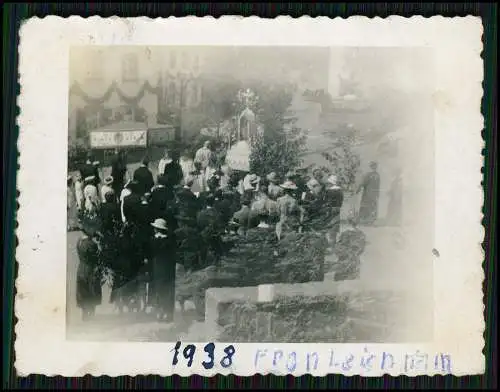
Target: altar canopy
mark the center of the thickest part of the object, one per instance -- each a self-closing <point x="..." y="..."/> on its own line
<point x="247" y="129"/>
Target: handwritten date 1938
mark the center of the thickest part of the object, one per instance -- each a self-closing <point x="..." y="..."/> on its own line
<point x="189" y="351"/>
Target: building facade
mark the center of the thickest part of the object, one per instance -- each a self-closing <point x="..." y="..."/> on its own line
<point x="155" y="85"/>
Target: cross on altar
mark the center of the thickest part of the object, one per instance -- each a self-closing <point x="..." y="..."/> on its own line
<point x="246" y="96"/>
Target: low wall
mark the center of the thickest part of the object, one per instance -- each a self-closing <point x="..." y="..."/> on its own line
<point x="339" y="312"/>
<point x="297" y="258"/>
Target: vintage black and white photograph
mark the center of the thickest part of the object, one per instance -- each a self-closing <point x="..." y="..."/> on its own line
<point x="246" y="194"/>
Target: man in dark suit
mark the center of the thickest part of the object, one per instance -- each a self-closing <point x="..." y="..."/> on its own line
<point x="118" y="170"/>
<point x="144" y="178"/>
<point x="173" y="172"/>
<point x="132" y="209"/>
<point x="188" y="203"/>
<point x="211" y="229"/>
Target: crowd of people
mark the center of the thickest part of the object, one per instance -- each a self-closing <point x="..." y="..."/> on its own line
<point x="143" y="229"/>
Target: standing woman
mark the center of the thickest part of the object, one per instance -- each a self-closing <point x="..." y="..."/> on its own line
<point x="163" y="251"/>
<point x="88" y="280"/>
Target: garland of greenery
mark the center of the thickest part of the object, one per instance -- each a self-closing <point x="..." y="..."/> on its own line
<point x="76" y="89"/>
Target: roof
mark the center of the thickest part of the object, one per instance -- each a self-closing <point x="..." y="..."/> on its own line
<point x="129" y="126"/>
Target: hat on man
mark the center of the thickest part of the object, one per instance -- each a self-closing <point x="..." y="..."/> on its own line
<point x="272" y="177"/>
<point x="89" y="178"/>
<point x="160" y="224"/>
<point x="288" y="185"/>
<point x="108" y="180"/>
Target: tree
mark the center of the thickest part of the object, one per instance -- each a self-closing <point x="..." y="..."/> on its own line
<point x="280" y="147"/>
<point x="341" y="158"/>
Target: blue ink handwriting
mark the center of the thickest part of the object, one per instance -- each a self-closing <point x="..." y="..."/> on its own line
<point x="190" y="350"/>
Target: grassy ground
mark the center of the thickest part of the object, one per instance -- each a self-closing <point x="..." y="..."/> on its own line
<point x="382" y="261"/>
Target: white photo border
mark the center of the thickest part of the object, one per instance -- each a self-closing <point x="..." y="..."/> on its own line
<point x="41" y="347"/>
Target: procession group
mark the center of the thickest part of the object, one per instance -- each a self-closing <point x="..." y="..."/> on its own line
<point x="143" y="230"/>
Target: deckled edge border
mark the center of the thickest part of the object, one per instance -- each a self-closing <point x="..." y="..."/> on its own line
<point x="18" y="320"/>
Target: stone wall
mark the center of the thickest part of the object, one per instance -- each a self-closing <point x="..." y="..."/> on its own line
<point x="298" y="258"/>
<point x="339" y="312"/>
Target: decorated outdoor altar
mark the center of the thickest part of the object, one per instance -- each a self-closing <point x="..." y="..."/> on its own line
<point x="241" y="140"/>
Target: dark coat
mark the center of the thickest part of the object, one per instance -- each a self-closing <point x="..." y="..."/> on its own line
<point x="163" y="258"/>
<point x="173" y="174"/>
<point x="87" y="170"/>
<point x="229" y="204"/>
<point x="209" y="222"/>
<point x="109" y="215"/>
<point x="132" y="209"/>
<point x="334" y="198"/>
<point x="187" y="203"/>
<point x="188" y="247"/>
<point x="159" y="200"/>
<point x="144" y="178"/>
<point x="88" y="281"/>
<point x="118" y="170"/>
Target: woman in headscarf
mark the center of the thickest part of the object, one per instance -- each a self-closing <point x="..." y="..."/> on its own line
<point x="88" y="280"/>
<point x="92" y="201"/>
<point x="163" y="252"/>
<point x="107" y="187"/>
<point x="72" y="206"/>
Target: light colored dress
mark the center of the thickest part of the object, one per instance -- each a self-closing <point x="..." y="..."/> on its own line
<point x="203" y="156"/>
<point x="80" y="199"/>
<point x="91" y="196"/>
<point x="187" y="166"/>
<point x="72" y="209"/>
